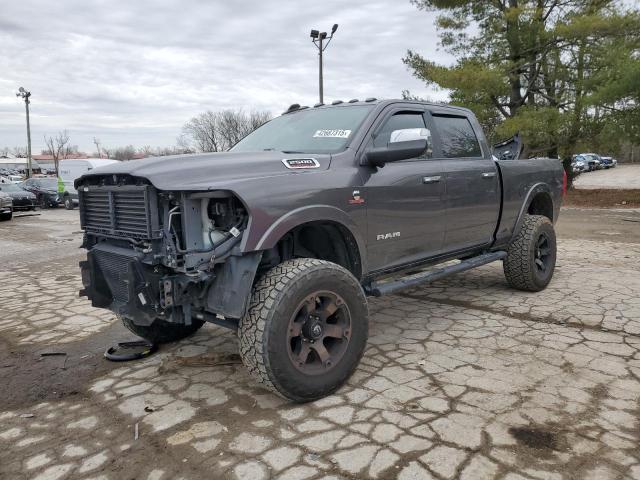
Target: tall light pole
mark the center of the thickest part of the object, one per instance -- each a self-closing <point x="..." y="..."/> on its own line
<point x="318" y="39"/>
<point x="25" y="95"/>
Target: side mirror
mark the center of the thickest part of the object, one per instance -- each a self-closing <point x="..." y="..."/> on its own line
<point x="403" y="145"/>
<point x="396" y="152"/>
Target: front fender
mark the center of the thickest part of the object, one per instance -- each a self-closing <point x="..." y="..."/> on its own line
<point x="299" y="216"/>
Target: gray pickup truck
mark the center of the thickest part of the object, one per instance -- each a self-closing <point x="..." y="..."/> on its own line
<point x="283" y="237"/>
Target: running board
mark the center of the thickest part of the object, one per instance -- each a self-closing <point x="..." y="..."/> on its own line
<point x="379" y="289"/>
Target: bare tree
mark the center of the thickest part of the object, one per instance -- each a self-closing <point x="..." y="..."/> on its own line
<point x="58" y="146"/>
<point x="203" y="132"/>
<point x="19" y="152"/>
<point x="123" y="153"/>
<point x="257" y="118"/>
<point x="69" y="150"/>
<point x="219" y="131"/>
<point x="148" y="151"/>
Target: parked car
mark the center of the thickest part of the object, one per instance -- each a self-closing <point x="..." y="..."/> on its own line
<point x="609" y="162"/>
<point x="590" y="162"/>
<point x="282" y="237"/>
<point x="579" y="164"/>
<point x="6" y="206"/>
<point x="72" y="169"/>
<point x="9" y="178"/>
<point x="45" y="189"/>
<point x="595" y="158"/>
<point x="22" y="199"/>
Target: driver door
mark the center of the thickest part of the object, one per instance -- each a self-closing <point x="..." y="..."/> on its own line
<point x="405" y="208"/>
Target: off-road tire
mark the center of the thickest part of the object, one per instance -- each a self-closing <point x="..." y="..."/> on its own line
<point x="519" y="266"/>
<point x="161" y="331"/>
<point x="6" y="216"/>
<point x="263" y="329"/>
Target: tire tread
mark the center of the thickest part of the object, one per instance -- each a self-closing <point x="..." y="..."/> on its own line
<point x="517" y="266"/>
<point x="267" y="294"/>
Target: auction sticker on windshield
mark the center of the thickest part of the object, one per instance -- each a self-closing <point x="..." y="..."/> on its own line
<point x="335" y="133"/>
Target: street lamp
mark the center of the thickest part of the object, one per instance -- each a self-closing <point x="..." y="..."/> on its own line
<point x="318" y="38"/>
<point x="25" y="95"/>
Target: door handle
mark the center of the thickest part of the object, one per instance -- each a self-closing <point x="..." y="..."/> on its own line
<point x="488" y="174"/>
<point x="427" y="180"/>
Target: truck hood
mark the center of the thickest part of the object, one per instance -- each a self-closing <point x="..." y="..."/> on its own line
<point x="207" y="170"/>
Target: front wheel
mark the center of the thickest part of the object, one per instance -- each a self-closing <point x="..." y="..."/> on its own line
<point x="531" y="256"/>
<point x="68" y="203"/>
<point x="43" y="202"/>
<point x="305" y="329"/>
<point x="161" y="331"/>
<point x="6" y="216"/>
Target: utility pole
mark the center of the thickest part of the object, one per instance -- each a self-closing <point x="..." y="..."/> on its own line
<point x="25" y="95"/>
<point x="97" y="142"/>
<point x="318" y="40"/>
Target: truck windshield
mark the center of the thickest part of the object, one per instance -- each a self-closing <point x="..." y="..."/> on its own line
<point x="318" y="130"/>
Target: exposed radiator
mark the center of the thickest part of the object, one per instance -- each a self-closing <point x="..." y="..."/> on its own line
<point x="121" y="211"/>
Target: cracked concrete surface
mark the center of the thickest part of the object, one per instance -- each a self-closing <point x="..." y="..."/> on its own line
<point x="463" y="379"/>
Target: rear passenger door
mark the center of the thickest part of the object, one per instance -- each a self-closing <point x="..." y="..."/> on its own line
<point x="472" y="188"/>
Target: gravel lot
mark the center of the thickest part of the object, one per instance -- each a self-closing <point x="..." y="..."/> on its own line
<point x="463" y="379"/>
<point x="623" y="176"/>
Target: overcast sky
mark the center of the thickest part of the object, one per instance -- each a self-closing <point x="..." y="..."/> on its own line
<point x="133" y="72"/>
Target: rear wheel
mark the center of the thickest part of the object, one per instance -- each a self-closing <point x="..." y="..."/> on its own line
<point x="161" y="331"/>
<point x="531" y="257"/>
<point x="6" y="216"/>
<point x="305" y="330"/>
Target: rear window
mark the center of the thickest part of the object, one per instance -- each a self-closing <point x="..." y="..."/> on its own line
<point x="50" y="183"/>
<point x="457" y="137"/>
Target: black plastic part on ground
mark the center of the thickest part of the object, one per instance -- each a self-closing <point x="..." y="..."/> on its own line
<point x="127" y="351"/>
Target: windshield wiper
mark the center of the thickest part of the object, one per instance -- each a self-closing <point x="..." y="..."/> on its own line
<point x="283" y="151"/>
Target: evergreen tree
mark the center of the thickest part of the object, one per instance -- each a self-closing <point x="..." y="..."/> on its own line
<point x="558" y="71"/>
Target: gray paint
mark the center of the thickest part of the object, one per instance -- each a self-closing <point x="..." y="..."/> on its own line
<point x="458" y="214"/>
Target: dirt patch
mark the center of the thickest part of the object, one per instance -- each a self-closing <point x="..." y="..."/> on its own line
<point x="600" y="224"/>
<point x="174" y="363"/>
<point x="35" y="373"/>
<point x="602" y="198"/>
<point x="536" y="438"/>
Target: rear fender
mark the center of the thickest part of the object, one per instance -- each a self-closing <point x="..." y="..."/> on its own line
<point x="533" y="191"/>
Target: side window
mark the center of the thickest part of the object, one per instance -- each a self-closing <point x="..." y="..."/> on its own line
<point x="457" y="137"/>
<point x="402" y="121"/>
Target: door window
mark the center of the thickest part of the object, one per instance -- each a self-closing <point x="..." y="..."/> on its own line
<point x="457" y="137"/>
<point x="401" y="121"/>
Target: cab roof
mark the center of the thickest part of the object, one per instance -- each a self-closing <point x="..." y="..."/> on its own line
<point x="374" y="101"/>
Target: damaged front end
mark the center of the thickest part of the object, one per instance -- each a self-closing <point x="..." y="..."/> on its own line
<point x="169" y="255"/>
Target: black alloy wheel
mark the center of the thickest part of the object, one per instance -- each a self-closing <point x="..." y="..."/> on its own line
<point x="319" y="333"/>
<point x="543" y="253"/>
